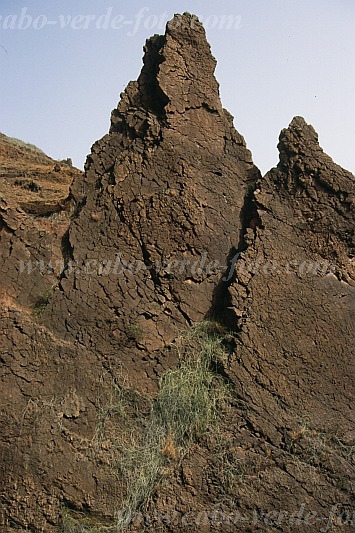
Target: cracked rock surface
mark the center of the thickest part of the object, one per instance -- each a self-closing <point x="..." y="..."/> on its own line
<point x="170" y="224"/>
<point x="34" y="218"/>
<point x="287" y="444"/>
<point x="164" y="189"/>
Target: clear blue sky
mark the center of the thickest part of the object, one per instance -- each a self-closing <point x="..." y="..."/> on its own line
<point x="284" y="58"/>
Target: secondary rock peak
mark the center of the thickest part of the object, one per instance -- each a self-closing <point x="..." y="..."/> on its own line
<point x="299" y="138"/>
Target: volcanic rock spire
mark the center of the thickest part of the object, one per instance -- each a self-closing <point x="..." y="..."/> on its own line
<point x="163" y="193"/>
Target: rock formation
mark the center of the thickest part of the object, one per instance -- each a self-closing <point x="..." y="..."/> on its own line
<point x="34" y="217"/>
<point x="164" y="189"/>
<point x="172" y="224"/>
<point x="289" y="436"/>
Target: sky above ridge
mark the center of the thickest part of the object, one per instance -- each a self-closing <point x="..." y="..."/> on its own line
<point x="276" y="59"/>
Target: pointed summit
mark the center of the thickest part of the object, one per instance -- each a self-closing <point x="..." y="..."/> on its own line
<point x="187" y="74"/>
<point x="322" y="191"/>
<point x="165" y="189"/>
<point x="175" y="87"/>
<point x="299" y="137"/>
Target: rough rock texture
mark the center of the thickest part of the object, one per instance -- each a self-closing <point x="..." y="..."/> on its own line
<point x="288" y="440"/>
<point x="171" y="184"/>
<point x="34" y="217"/>
<point x="162" y="190"/>
<point x="35" y="209"/>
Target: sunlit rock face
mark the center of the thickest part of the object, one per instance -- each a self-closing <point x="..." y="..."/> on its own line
<point x="170" y="224"/>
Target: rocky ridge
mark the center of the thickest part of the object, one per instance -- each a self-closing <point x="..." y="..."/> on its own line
<point x="34" y="216"/>
<point x="171" y="183"/>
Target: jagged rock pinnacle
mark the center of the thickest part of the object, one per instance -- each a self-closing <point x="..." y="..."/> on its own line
<point x="322" y="190"/>
<point x="299" y="137"/>
<point x="176" y="82"/>
<point x="167" y="184"/>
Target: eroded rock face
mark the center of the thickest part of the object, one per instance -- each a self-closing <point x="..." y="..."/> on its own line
<point x="288" y="439"/>
<point x="169" y="190"/>
<point x="34" y="218"/>
<point x="35" y="210"/>
<point x="163" y="192"/>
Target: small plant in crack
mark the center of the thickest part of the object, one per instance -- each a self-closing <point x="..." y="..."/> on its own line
<point x="134" y="332"/>
<point x="76" y="522"/>
<point x="42" y="302"/>
<point x="318" y="449"/>
<point x="231" y="462"/>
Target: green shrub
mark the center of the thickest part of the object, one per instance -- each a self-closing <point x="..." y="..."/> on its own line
<point x="184" y="409"/>
<point x="41" y="303"/>
<point x="134" y="332"/>
<point x="142" y="445"/>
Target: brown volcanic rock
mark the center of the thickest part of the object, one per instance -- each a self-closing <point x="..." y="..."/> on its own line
<point x="324" y="196"/>
<point x="167" y="184"/>
<point x="34" y="217"/>
<point x="164" y="188"/>
<point x="287" y="442"/>
<point x="171" y="181"/>
<point x="52" y="392"/>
